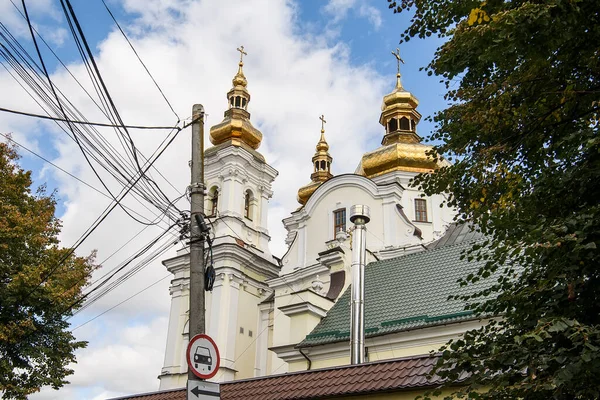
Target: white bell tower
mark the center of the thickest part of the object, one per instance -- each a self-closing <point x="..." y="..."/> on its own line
<point x="238" y="182"/>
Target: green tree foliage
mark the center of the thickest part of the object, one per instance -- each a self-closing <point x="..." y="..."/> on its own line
<point x="523" y="80"/>
<point x="35" y="344"/>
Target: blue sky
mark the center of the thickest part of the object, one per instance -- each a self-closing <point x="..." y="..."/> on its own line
<point x="369" y="43"/>
<point x="305" y="58"/>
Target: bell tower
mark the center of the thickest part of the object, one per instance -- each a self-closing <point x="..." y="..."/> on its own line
<point x="238" y="182"/>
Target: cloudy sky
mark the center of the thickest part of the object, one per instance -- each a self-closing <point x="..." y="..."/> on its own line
<point x="305" y="58"/>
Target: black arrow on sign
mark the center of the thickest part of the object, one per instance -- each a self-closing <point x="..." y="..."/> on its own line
<point x="197" y="392"/>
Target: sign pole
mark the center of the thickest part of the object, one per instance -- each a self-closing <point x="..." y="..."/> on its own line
<point x="197" y="306"/>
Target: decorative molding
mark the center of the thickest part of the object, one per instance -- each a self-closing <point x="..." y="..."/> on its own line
<point x="304" y="307"/>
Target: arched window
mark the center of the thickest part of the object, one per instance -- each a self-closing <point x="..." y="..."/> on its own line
<point x="248" y="206"/>
<point x="323" y="165"/>
<point x="393" y="125"/>
<point x="404" y="124"/>
<point x="231" y="100"/>
<point x="237" y="101"/>
<point x="214" y="201"/>
<point x="243" y="103"/>
<point x="316" y="166"/>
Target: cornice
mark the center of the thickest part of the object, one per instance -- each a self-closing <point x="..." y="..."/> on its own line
<point x="304" y="307"/>
<point x="298" y="275"/>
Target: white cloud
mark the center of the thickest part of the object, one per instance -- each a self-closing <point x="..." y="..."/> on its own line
<point x="190" y="48"/>
<point x="339" y="10"/>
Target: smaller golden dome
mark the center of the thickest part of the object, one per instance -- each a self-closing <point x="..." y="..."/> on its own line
<point x="321" y="167"/>
<point x="322" y="144"/>
<point x="239" y="79"/>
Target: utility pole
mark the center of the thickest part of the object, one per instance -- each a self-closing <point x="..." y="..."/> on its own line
<point x="197" y="307"/>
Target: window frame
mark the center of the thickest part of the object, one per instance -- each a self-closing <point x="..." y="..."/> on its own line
<point x="342" y="223"/>
<point x="421" y="212"/>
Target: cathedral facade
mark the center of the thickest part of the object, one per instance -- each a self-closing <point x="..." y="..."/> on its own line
<point x="270" y="315"/>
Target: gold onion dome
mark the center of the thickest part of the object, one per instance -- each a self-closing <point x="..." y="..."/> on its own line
<point x="236" y="128"/>
<point x="321" y="167"/>
<point x="401" y="148"/>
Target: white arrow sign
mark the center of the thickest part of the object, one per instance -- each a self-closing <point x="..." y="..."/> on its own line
<point x="202" y="390"/>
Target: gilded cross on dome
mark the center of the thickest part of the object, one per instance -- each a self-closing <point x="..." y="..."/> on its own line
<point x="398" y="60"/>
<point x="397" y="55"/>
<point x="242" y="54"/>
<point x="323" y="122"/>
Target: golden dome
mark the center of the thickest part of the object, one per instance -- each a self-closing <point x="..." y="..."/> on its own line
<point x="306" y="191"/>
<point x="400" y="156"/>
<point x="322" y="144"/>
<point x="236" y="127"/>
<point x="401" y="148"/>
<point x="239" y="79"/>
<point x="321" y="167"/>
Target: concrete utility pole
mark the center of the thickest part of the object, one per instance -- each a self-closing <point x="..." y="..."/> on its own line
<point x="197" y="308"/>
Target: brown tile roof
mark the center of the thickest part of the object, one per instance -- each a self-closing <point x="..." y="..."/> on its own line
<point x="383" y="376"/>
<point x="175" y="394"/>
<point x="403" y="373"/>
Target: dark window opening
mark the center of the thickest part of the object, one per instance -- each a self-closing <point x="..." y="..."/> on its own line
<point x="237" y="101"/>
<point x="248" y="204"/>
<point x="393" y="125"/>
<point x="214" y="201"/>
<point x="404" y="124"/>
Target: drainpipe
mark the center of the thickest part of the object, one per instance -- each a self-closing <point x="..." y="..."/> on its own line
<point x="308" y="362"/>
<point x="360" y="216"/>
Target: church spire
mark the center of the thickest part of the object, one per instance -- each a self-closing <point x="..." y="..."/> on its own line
<point x="321" y="166"/>
<point x="321" y="160"/>
<point x="236" y="128"/>
<point x="399" y="113"/>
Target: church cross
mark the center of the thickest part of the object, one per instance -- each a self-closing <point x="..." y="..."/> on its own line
<point x="242" y="53"/>
<point x="398" y="59"/>
<point x="322" y="118"/>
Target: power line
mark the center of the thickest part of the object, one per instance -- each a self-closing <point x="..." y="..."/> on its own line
<point x="71" y="175"/>
<point x="140" y="60"/>
<point x="71" y="121"/>
<point x="99" y="220"/>
<point x="117" y="305"/>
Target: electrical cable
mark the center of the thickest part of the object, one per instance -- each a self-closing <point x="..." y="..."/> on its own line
<point x="39" y="91"/>
<point x="94" y="226"/>
<point x="118" y="304"/>
<point x="71" y="175"/>
<point x="140" y="60"/>
<point x="40" y="116"/>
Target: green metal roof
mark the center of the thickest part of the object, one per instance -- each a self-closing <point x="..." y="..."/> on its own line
<point x="404" y="293"/>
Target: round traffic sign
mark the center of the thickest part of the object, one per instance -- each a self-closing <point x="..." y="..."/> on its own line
<point x="203" y="356"/>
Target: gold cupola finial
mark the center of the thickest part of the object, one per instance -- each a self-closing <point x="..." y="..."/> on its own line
<point x="236" y="127"/>
<point x="239" y="79"/>
<point x="321" y="166"/>
<point x="398" y="74"/>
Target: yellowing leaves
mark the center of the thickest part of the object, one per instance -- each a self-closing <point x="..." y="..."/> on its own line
<point x="478" y="15"/>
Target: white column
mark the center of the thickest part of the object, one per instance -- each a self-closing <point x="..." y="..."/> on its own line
<point x="262" y="343"/>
